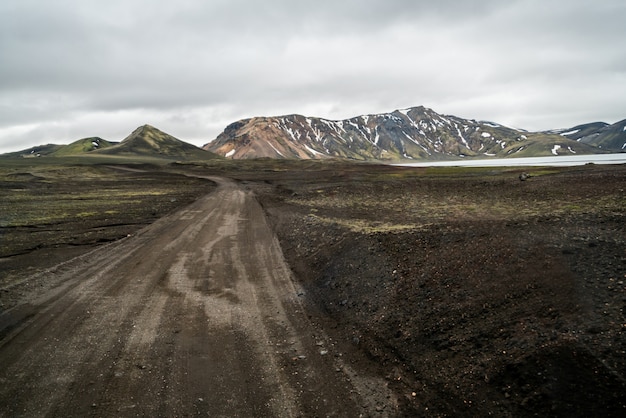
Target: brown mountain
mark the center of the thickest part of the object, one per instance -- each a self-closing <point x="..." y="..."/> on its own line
<point x="414" y="133"/>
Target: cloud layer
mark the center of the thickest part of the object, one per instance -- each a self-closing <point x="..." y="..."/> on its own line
<point x="77" y="68"/>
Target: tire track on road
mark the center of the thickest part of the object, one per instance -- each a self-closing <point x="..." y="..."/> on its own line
<point x="195" y="314"/>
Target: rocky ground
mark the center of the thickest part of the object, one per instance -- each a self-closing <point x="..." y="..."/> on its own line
<point x="52" y="212"/>
<point x="470" y="292"/>
<point x="477" y="294"/>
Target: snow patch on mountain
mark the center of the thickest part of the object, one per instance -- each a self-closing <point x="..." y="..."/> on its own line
<point x="274" y="148"/>
<point x="312" y="151"/>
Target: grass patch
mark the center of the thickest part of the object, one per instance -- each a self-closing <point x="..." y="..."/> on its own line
<point x="364" y="225"/>
<point x="456" y="193"/>
<point x="46" y="204"/>
<point x="33" y="207"/>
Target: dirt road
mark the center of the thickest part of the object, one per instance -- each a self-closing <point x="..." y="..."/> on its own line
<point x="196" y="314"/>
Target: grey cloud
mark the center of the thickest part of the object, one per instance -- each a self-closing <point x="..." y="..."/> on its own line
<point x="67" y="59"/>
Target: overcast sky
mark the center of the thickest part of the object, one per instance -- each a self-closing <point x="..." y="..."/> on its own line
<point x="70" y="69"/>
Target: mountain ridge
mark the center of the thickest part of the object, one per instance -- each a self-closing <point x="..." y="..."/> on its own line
<point x="600" y="134"/>
<point x="83" y="145"/>
<point x="148" y="140"/>
<point x="416" y="133"/>
<point x="144" y="141"/>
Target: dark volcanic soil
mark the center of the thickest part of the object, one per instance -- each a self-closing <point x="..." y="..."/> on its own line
<point x="447" y="292"/>
<point x="49" y="214"/>
<point x="505" y="298"/>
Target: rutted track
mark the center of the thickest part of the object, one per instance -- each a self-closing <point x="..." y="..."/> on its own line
<point x="196" y="314"/>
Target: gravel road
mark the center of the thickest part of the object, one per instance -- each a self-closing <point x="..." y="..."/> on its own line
<point x="197" y="314"/>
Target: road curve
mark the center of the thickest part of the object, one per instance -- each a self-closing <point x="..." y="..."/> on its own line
<point x="196" y="314"/>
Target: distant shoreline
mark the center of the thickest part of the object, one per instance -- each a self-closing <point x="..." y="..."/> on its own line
<point x="566" y="160"/>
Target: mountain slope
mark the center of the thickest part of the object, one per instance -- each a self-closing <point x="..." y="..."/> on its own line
<point x="600" y="134"/>
<point x="37" y="151"/>
<point x="414" y="133"/>
<point x="147" y="140"/>
<point x="82" y="146"/>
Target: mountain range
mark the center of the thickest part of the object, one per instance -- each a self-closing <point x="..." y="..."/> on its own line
<point x="416" y="133"/>
<point x="146" y="140"/>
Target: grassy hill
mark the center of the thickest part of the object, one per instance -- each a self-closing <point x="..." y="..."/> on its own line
<point x="145" y="144"/>
<point x="541" y="144"/>
<point x="82" y="146"/>
<point x="150" y="141"/>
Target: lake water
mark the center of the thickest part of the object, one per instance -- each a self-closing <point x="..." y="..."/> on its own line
<point x="565" y="160"/>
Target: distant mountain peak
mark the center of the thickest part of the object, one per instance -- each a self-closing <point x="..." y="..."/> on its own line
<point x="148" y="140"/>
<point x="146" y="130"/>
